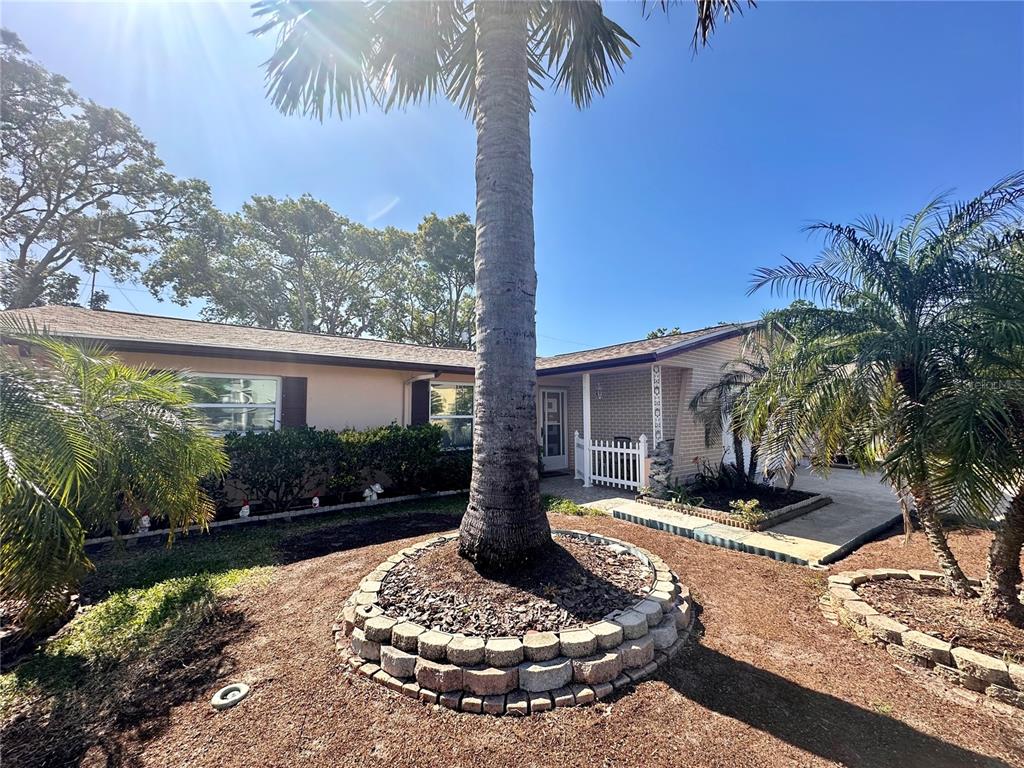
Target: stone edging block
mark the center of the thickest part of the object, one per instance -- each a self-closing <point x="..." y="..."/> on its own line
<point x="533" y="673"/>
<point x="958" y="665"/>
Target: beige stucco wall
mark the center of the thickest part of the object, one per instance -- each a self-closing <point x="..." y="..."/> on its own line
<point x="336" y="397"/>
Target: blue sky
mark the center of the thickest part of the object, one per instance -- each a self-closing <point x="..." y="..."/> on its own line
<point x="653" y="206"/>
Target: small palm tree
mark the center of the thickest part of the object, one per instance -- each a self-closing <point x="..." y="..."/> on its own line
<point x="84" y="440"/>
<point x="484" y="56"/>
<point x="731" y="401"/>
<point x="897" y="317"/>
<point x="979" y="421"/>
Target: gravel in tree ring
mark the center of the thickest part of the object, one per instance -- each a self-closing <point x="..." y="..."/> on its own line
<point x="579" y="583"/>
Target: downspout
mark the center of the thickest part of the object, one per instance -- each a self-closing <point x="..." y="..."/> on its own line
<point x="407" y="394"/>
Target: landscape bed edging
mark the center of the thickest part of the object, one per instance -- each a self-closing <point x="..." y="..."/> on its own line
<point x="287" y="516"/>
<point x="520" y="675"/>
<point x="962" y="666"/>
<point x="781" y="515"/>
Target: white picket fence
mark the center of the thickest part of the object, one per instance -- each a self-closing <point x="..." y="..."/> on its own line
<point x="616" y="463"/>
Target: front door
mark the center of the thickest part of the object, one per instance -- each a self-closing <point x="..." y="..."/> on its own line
<point x="552" y="430"/>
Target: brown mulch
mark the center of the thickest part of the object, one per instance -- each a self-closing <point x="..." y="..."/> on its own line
<point x="768" y="683"/>
<point x="771" y="499"/>
<point x="577" y="583"/>
<point x="928" y="607"/>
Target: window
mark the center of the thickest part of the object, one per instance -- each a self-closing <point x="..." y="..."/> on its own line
<point x="451" y="407"/>
<point x="231" y="403"/>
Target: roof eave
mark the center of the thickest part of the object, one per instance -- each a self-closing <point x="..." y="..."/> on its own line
<point x="650" y="357"/>
<point x="235" y="353"/>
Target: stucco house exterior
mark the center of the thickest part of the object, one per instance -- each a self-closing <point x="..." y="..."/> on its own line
<point x="600" y="412"/>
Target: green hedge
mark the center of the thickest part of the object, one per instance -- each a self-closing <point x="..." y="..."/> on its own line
<point x="275" y="471"/>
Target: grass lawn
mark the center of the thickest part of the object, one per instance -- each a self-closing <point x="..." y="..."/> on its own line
<point x="767" y="681"/>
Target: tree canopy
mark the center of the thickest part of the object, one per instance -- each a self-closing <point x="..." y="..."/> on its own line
<point x="80" y="185"/>
<point x="297" y="264"/>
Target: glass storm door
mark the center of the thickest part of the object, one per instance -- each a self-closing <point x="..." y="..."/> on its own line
<point x="553" y="443"/>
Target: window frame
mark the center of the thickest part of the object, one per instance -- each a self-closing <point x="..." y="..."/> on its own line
<point x="436" y="419"/>
<point x="277" y="402"/>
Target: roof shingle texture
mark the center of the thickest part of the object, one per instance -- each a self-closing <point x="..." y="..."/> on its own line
<point x="112" y="327"/>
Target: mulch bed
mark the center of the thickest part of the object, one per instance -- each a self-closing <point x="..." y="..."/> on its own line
<point x="768" y="684"/>
<point x="770" y="498"/>
<point x="928" y="607"/>
<point x="579" y="582"/>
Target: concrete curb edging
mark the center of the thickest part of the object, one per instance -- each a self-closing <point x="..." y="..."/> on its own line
<point x="999" y="680"/>
<point x="521" y="675"/>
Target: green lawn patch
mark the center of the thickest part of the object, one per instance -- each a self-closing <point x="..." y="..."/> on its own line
<point x="149" y="600"/>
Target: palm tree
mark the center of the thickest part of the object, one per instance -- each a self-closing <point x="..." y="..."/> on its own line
<point x="85" y="439"/>
<point x="484" y="56"/>
<point x="979" y="421"/>
<point x="896" y="318"/>
<point x="731" y="400"/>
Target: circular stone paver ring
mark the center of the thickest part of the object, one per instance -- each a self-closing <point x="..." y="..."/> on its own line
<point x="229" y="695"/>
<point x="517" y="675"/>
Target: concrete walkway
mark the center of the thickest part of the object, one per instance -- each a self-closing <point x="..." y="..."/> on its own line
<point x="862" y="508"/>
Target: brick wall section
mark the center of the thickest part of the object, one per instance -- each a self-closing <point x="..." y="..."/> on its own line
<point x="624" y="408"/>
<point x="706" y="367"/>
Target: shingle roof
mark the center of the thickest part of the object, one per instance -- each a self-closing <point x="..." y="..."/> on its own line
<point x="129" y="331"/>
<point x="642" y="351"/>
<point x="124" y="330"/>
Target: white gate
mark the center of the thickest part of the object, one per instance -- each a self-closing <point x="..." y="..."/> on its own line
<point x="618" y="463"/>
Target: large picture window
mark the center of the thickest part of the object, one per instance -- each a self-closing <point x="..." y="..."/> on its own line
<point x="451" y="407"/>
<point x="231" y="403"/>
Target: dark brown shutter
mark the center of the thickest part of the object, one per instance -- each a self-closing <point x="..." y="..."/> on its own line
<point x="420" y="410"/>
<point x="293" y="401"/>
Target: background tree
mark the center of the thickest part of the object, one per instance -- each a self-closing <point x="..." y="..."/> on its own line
<point x="86" y="439"/>
<point x="661" y="332"/>
<point x="875" y="364"/>
<point x="299" y="265"/>
<point x="293" y="264"/>
<point x="80" y="185"/>
<point x="484" y="56"/>
<point x="431" y="295"/>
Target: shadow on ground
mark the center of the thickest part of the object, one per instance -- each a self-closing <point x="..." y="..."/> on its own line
<point x="826" y="726"/>
<point x="95" y="721"/>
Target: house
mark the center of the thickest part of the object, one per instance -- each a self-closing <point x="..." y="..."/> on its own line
<point x="621" y="400"/>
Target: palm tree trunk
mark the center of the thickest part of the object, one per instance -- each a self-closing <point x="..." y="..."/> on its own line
<point x="737" y="451"/>
<point x="955" y="579"/>
<point x="504" y="526"/>
<point x="752" y="468"/>
<point x="1000" y="596"/>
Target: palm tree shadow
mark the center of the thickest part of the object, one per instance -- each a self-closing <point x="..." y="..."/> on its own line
<point x="824" y="725"/>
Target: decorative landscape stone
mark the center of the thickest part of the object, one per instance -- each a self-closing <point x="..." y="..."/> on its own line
<point x="577" y="642"/>
<point x="961" y="666"/>
<point x="536" y="672"/>
<point x="540" y="646"/>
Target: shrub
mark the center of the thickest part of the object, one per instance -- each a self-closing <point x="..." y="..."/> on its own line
<point x="279" y="468"/>
<point x="452" y="471"/>
<point x="406" y="456"/>
<point x="748" y="510"/>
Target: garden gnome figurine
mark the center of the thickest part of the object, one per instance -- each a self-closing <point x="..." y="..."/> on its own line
<point x="370" y="494"/>
<point x="316" y="502"/>
<point x="244" y="511"/>
<point x="144" y="523"/>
